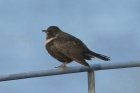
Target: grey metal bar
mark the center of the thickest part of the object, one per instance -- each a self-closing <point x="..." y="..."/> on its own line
<point x="57" y="71"/>
<point x="91" y="81"/>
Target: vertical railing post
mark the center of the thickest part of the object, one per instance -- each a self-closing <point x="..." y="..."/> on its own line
<point x="91" y="81"/>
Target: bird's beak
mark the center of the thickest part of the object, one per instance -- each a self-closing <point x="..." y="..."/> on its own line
<point x="44" y="30"/>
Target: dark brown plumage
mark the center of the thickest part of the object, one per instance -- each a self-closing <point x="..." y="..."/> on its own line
<point x="67" y="48"/>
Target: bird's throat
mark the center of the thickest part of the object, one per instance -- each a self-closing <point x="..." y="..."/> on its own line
<point x="49" y="40"/>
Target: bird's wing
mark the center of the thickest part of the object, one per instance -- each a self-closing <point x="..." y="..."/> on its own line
<point x="71" y="47"/>
<point x="66" y="41"/>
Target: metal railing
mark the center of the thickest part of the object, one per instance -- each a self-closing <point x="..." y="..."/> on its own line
<point x="76" y="69"/>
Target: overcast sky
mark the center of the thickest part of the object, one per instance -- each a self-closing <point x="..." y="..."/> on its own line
<point x="109" y="27"/>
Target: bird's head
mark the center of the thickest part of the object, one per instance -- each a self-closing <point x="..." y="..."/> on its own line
<point x="52" y="31"/>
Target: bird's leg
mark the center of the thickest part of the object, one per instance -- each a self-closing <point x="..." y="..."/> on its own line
<point x="63" y="66"/>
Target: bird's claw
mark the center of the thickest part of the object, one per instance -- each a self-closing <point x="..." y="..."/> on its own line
<point x="62" y="67"/>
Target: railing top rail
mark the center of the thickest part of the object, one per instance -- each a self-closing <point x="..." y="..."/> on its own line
<point x="76" y="69"/>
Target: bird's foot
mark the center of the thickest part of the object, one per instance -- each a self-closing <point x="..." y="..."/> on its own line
<point x="62" y="67"/>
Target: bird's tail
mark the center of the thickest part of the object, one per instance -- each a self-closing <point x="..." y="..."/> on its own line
<point x="103" y="57"/>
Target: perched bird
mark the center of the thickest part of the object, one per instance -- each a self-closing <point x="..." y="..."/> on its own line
<point x="67" y="48"/>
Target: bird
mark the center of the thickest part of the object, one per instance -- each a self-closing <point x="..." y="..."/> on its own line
<point x="66" y="48"/>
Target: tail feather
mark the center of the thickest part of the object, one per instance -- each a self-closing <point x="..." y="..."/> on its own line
<point x="103" y="57"/>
